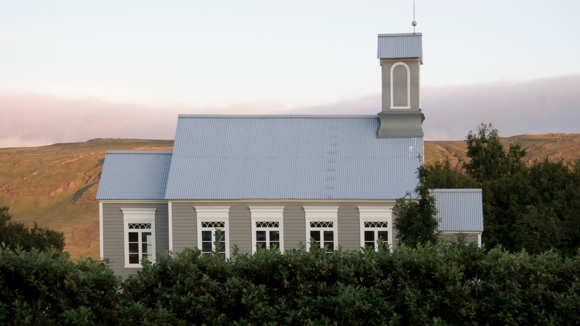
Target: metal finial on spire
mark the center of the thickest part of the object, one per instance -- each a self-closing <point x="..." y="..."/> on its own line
<point x="414" y="23"/>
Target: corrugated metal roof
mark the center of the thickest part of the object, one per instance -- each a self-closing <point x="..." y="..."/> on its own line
<point x="134" y="175"/>
<point x="289" y="157"/>
<point x="459" y="209"/>
<point x="393" y="46"/>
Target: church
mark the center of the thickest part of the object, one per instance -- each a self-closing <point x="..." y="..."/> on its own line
<point x="279" y="180"/>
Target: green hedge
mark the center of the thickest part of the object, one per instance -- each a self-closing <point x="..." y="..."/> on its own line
<point x="453" y="284"/>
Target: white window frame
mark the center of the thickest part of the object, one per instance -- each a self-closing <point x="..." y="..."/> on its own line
<point x="267" y="214"/>
<point x="376" y="214"/>
<point x="213" y="214"/>
<point x="321" y="214"/>
<point x="138" y="215"/>
<point x="408" y="106"/>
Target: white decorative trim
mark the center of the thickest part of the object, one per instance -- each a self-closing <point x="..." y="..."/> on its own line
<point x="479" y="240"/>
<point x="376" y="213"/>
<point x="408" y="87"/>
<point x="215" y="214"/>
<point x="101" y="235"/>
<point x="170" y="225"/>
<point x="321" y="213"/>
<point x="143" y="215"/>
<point x="267" y="213"/>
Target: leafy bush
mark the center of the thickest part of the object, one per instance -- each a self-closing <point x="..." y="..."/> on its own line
<point x="14" y="235"/>
<point x="42" y="288"/>
<point x="442" y="284"/>
<point x="454" y="284"/>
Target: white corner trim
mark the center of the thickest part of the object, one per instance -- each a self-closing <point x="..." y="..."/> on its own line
<point x="479" y="240"/>
<point x="101" y="244"/>
<point x="376" y="213"/>
<point x="216" y="214"/>
<point x="142" y="215"/>
<point x="267" y="213"/>
<point x="170" y="226"/>
<point x="408" y="106"/>
<point x="321" y="213"/>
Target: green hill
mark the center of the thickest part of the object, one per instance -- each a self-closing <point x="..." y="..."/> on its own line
<point x="56" y="185"/>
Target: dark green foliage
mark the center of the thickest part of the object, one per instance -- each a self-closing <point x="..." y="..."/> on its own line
<point x="489" y="161"/>
<point x="535" y="207"/>
<point x="14" y="235"/>
<point x="442" y="284"/>
<point x="415" y="216"/>
<point x="43" y="288"/>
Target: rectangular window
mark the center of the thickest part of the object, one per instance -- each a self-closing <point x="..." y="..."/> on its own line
<point x="268" y="234"/>
<point x="139" y="228"/>
<point x="322" y="234"/>
<point x="376" y="223"/>
<point x="210" y="232"/>
<point x="373" y="231"/>
<point x="267" y="227"/>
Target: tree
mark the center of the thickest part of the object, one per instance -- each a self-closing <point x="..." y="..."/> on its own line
<point x="489" y="161"/>
<point x="415" y="217"/>
<point x="441" y="176"/>
<point x="13" y="235"/>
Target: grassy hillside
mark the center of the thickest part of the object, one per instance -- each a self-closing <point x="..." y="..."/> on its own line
<point x="56" y="185"/>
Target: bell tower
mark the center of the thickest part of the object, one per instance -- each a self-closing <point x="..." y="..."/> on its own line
<point x="401" y="57"/>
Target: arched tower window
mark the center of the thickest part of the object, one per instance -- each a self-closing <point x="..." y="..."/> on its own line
<point x="400" y="86"/>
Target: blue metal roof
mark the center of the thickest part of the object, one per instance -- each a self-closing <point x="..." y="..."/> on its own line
<point x="289" y="157"/>
<point x="134" y="175"/>
<point x="393" y="46"/>
<point x="459" y="209"/>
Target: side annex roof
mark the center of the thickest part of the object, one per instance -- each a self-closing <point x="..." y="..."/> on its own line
<point x="139" y="175"/>
<point x="460" y="210"/>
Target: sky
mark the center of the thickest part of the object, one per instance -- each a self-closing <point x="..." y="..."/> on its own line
<point x="76" y="70"/>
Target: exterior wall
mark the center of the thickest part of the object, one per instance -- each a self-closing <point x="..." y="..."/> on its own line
<point x="400" y="79"/>
<point x="113" y="237"/>
<point x="349" y="227"/>
<point x="294" y="226"/>
<point x="184" y="225"/>
<point x="469" y="237"/>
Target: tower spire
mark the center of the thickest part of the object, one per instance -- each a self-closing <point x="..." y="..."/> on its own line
<point x="414" y="23"/>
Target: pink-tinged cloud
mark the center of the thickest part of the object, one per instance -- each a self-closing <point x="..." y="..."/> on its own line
<point x="538" y="106"/>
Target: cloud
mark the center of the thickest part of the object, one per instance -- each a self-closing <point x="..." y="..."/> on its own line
<point x="537" y="106"/>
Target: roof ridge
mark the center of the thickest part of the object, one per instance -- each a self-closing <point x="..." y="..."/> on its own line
<point x="273" y="116"/>
<point x="139" y="152"/>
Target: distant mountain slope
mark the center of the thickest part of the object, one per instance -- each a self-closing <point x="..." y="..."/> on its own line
<point x="56" y="185"/>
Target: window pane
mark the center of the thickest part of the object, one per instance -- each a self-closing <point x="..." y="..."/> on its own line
<point x="260" y="235"/>
<point x="222" y="247"/>
<point x="328" y="236"/>
<point x="274" y="235"/>
<point x="206" y="246"/>
<point x="134" y="248"/>
<point x="146" y="237"/>
<point x="275" y="244"/>
<point x="133" y="237"/>
<point x="384" y="235"/>
<point x="205" y="235"/>
<point x="369" y="235"/>
<point x="221" y="235"/>
<point x="144" y="248"/>
<point x="329" y="246"/>
<point x="370" y="244"/>
<point x="260" y="245"/>
<point x="315" y="235"/>
<point x="134" y="259"/>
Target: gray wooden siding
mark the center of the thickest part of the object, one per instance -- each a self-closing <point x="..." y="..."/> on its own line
<point x="113" y="229"/>
<point x="448" y="236"/>
<point x="241" y="228"/>
<point x="294" y="226"/>
<point x="349" y="227"/>
<point x="184" y="224"/>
